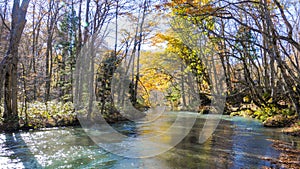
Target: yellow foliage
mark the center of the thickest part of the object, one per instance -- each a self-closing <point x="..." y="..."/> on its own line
<point x="59" y="58"/>
<point x="156" y="69"/>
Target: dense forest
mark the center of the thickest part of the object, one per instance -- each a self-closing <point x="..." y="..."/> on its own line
<point x="182" y="48"/>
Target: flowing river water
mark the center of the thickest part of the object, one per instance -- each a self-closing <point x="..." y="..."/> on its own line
<point x="236" y="143"/>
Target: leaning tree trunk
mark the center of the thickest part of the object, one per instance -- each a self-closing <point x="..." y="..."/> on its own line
<point x="9" y="65"/>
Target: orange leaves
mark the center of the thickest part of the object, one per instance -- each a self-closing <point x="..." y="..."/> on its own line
<point x="162" y="38"/>
<point x="159" y="37"/>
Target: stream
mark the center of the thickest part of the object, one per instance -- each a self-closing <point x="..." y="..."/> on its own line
<point x="236" y="143"/>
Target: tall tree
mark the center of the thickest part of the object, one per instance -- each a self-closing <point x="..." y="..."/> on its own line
<point x="9" y="65"/>
<point x="53" y="12"/>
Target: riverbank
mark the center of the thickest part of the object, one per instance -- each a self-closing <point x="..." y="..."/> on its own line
<point x="293" y="130"/>
<point x="39" y="115"/>
<point x="57" y="114"/>
<point x="290" y="124"/>
<point x="289" y="154"/>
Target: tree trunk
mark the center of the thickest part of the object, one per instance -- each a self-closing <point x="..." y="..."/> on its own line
<point x="182" y="87"/>
<point x="139" y="52"/>
<point x="9" y="65"/>
<point x="50" y="26"/>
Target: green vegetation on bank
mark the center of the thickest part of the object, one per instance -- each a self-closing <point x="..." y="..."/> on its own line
<point x="50" y="114"/>
<point x="273" y="117"/>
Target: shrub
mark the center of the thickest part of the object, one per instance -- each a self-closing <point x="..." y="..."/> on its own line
<point x="52" y="113"/>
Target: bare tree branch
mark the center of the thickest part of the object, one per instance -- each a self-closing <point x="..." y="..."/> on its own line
<point x="3" y="21"/>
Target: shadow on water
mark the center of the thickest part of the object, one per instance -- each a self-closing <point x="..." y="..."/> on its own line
<point x="234" y="144"/>
<point x="214" y="153"/>
<point x="20" y="151"/>
<point x="127" y="128"/>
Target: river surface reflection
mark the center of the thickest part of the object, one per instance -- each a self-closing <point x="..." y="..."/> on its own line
<point x="236" y="143"/>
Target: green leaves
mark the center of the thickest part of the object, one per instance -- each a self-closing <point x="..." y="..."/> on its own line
<point x="49" y="114"/>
